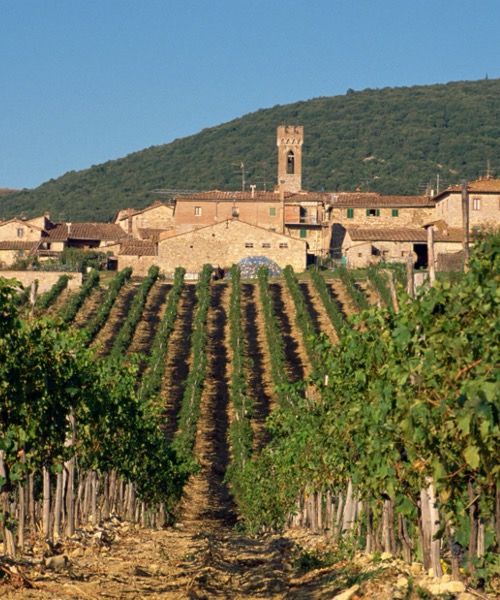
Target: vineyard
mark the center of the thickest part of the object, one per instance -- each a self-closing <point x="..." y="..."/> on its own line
<point x="311" y="403"/>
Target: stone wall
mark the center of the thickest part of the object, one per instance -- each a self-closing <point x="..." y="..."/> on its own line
<point x="46" y="279"/>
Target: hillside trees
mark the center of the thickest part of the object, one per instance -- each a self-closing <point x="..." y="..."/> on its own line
<point x="393" y="141"/>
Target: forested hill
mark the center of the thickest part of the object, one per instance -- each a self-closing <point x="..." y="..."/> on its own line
<point x="393" y="140"/>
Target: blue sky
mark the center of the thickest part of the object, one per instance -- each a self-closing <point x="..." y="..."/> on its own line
<point x="86" y="81"/>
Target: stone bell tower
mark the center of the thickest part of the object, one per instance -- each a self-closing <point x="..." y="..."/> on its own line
<point x="289" y="141"/>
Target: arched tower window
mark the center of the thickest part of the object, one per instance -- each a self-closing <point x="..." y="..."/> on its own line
<point x="290" y="163"/>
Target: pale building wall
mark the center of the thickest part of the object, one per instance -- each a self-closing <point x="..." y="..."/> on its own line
<point x="20" y="231"/>
<point x="484" y="209"/>
<point x="158" y="217"/>
<point x="9" y="257"/>
<point x="139" y="264"/>
<point x="413" y="217"/>
<point x="191" y="215"/>
<point x="46" y="279"/>
<point x="228" y="243"/>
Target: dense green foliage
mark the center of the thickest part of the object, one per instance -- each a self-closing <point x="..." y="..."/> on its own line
<point x="393" y="140"/>
<point x="412" y="397"/>
<point x="47" y="375"/>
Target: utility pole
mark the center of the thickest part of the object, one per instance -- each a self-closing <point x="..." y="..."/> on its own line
<point x="465" y="223"/>
<point x="430" y="253"/>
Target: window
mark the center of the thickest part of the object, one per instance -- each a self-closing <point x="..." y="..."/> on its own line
<point x="372" y="212"/>
<point x="395" y="212"/>
<point x="266" y="245"/>
<point x="290" y="163"/>
<point x="283" y="245"/>
<point x="248" y="244"/>
<point x="20" y="232"/>
<point x="350" y="213"/>
<point x="476" y="203"/>
<point x="197" y="211"/>
<point x="235" y="213"/>
<point x="272" y="211"/>
<point x="303" y="233"/>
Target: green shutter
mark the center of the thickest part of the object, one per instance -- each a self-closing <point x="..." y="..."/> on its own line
<point x="303" y="233"/>
<point x="395" y="212"/>
<point x="377" y="212"/>
<point x="367" y="212"/>
<point x="350" y="213"/>
<point x="272" y="212"/>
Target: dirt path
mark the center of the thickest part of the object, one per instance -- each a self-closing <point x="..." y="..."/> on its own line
<point x="151" y="318"/>
<point x="89" y="307"/>
<point x="104" y="340"/>
<point x="341" y="297"/>
<point x="317" y="311"/>
<point x="178" y="360"/>
<point x="260" y="385"/>
<point x="298" y="366"/>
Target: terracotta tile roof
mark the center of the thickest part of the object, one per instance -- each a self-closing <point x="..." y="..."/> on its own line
<point x="247" y="196"/>
<point x="374" y="200"/>
<point x="85" y="231"/>
<point x="15" y="245"/>
<point x="480" y="186"/>
<point x="138" y="248"/>
<point x="57" y="233"/>
<point x="360" y="234"/>
<point x="150" y="233"/>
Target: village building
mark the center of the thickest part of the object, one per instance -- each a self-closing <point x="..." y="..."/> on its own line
<point x="375" y="212"/>
<point x="365" y="246"/>
<point x="484" y="204"/>
<point x="221" y="245"/>
<point x="148" y="223"/>
<point x="287" y="225"/>
<point x="287" y="209"/>
<point x="43" y="239"/>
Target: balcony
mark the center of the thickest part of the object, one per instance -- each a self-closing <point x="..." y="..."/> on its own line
<point x="302" y="220"/>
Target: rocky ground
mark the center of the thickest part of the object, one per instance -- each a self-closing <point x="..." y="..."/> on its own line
<point x="196" y="560"/>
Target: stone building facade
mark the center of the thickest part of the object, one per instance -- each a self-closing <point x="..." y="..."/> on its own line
<point x="222" y="244"/>
<point x="289" y="142"/>
<point x="484" y="204"/>
<point x="148" y="222"/>
<point x="364" y="246"/>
